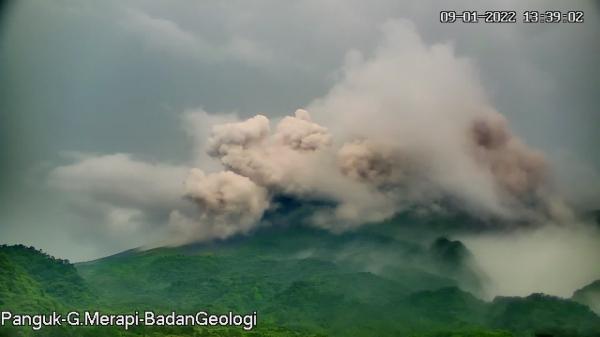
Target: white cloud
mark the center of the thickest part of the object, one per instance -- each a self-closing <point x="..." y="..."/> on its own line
<point x="125" y="191"/>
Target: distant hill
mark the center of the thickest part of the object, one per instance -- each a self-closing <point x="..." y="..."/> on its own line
<point x="245" y="273"/>
<point x="19" y="291"/>
<point x="543" y="314"/>
<point x="453" y="259"/>
<point x="358" y="284"/>
<point x="589" y="295"/>
<point x="301" y="281"/>
<point x="57" y="279"/>
<point x="34" y="282"/>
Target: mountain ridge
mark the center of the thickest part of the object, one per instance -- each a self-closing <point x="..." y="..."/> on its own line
<point x="302" y="282"/>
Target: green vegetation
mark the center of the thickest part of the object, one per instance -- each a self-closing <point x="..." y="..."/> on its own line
<point x="302" y="282"/>
<point x="19" y="291"/>
<point x="50" y="277"/>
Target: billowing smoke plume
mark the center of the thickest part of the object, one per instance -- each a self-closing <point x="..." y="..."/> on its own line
<point x="300" y="133"/>
<point x="228" y="204"/>
<point x="517" y="169"/>
<point x="409" y="126"/>
<point x="270" y="159"/>
<point x="377" y="164"/>
<point x="297" y="159"/>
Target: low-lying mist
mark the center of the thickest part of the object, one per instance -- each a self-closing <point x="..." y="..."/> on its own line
<point x="552" y="259"/>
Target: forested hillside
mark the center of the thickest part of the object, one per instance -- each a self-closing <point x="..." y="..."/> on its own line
<point x="301" y="282"/>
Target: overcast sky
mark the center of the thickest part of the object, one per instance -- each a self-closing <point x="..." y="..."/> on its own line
<point x="93" y="78"/>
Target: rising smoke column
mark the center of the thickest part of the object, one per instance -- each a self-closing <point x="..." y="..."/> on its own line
<point x="414" y="122"/>
<point x="228" y="204"/>
<point x="408" y="126"/>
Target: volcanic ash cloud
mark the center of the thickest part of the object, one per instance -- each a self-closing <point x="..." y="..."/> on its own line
<point x="228" y="203"/>
<point x="410" y="126"/>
